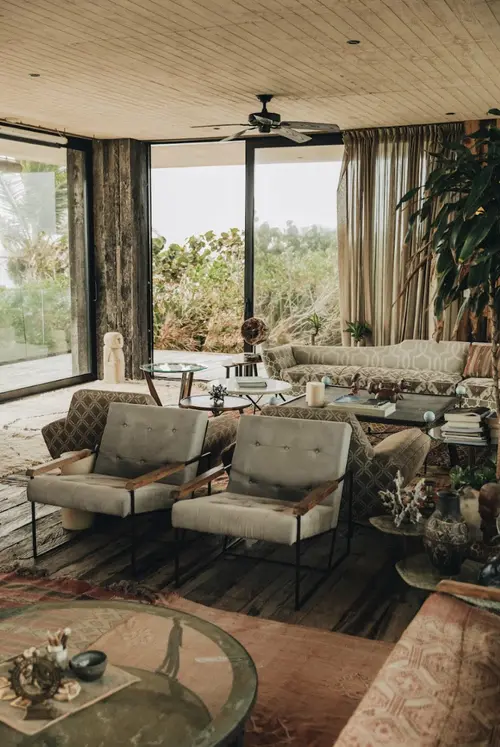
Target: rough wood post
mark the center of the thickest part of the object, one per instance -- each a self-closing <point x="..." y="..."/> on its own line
<point x="122" y="241"/>
<point x="78" y="265"/>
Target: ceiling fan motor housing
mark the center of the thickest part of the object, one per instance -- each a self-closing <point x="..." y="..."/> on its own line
<point x="276" y="119"/>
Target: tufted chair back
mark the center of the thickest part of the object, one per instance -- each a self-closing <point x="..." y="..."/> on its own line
<point x="284" y="458"/>
<point x="139" y="438"/>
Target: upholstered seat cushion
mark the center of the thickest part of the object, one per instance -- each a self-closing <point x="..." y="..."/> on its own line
<point x="340" y="375"/>
<point x="238" y="515"/>
<point x="419" y="381"/>
<point x="98" y="493"/>
<point x="479" y="392"/>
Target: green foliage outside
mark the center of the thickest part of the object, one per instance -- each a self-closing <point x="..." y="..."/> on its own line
<point x="35" y="315"/>
<point x="198" y="287"/>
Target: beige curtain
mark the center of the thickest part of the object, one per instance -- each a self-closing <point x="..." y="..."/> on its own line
<point x="379" y="167"/>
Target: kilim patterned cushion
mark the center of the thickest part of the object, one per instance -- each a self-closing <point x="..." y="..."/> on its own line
<point x="479" y="362"/>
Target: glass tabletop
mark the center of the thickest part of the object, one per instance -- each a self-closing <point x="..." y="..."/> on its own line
<point x="172" y="367"/>
<point x="197" y="684"/>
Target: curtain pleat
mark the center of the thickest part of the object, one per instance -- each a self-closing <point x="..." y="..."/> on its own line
<point x="379" y="167"/>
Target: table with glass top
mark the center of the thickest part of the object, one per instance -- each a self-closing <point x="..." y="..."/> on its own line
<point x="197" y="685"/>
<point x="187" y="370"/>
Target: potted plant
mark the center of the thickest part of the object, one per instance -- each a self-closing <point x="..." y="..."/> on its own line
<point x="458" y="212"/>
<point x="315" y="323"/>
<point x="358" y="331"/>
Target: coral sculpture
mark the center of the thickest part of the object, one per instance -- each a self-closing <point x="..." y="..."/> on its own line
<point x="405" y="505"/>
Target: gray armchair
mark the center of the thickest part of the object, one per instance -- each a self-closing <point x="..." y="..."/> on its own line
<point x="286" y="483"/>
<point x="146" y="453"/>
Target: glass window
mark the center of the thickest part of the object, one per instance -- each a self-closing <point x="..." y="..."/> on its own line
<point x="198" y="219"/>
<point x="296" y="281"/>
<point x="44" y="321"/>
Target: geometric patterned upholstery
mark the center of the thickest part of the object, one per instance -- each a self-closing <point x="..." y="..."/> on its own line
<point x="427" y="367"/>
<point x="479" y="392"/>
<point x="373" y="468"/>
<point x="84" y="424"/>
<point x="440" y="685"/>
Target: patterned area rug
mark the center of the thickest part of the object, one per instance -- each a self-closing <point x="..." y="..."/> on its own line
<point x="310" y="680"/>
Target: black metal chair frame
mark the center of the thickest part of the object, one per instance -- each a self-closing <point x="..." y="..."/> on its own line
<point x="131" y="518"/>
<point x="297" y="565"/>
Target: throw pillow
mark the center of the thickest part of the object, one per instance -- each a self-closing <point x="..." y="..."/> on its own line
<point x="479" y="363"/>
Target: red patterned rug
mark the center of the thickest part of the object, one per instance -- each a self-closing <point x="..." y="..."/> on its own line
<point x="310" y="680"/>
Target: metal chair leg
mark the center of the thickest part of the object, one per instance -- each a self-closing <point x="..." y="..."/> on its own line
<point x="132" y="531"/>
<point x="297" y="566"/>
<point x="33" y="530"/>
<point x="177" y="550"/>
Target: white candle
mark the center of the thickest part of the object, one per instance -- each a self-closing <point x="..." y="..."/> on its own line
<point x="315" y="394"/>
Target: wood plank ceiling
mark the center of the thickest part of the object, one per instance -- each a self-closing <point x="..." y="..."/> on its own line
<point x="153" y="68"/>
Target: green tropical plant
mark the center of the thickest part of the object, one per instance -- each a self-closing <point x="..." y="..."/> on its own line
<point x="474" y="477"/>
<point x="458" y="210"/>
<point x="358" y="330"/>
<point x="316" y="322"/>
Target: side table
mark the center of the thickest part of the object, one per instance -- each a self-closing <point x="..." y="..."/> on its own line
<point x="386" y="525"/>
<point x="242" y="367"/>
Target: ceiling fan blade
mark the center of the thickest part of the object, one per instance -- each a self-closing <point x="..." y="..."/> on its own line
<point x="234" y="124"/>
<point x="263" y="120"/>
<point x="297" y="137"/>
<point x="236" y="135"/>
<point x="313" y="126"/>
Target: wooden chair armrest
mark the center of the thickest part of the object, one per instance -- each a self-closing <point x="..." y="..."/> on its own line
<point x="188" y="487"/>
<point x="154" y="476"/>
<point x="317" y="495"/>
<point x="58" y="463"/>
<point x="463" y="589"/>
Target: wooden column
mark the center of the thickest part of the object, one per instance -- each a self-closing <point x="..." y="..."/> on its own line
<point x="122" y="239"/>
<point x="78" y="262"/>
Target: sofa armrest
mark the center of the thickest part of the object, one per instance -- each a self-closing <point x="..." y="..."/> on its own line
<point x="54" y="464"/>
<point x="54" y="436"/>
<point x="277" y="359"/>
<point x="405" y="451"/>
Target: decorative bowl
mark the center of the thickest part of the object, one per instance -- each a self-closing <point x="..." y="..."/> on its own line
<point x="89" y="665"/>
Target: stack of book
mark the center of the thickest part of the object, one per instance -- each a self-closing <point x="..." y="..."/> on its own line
<point x="466" y="426"/>
<point x="364" y="405"/>
<point x="251" y="382"/>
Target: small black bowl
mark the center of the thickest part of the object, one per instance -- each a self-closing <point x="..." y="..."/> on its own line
<point x="89" y="665"/>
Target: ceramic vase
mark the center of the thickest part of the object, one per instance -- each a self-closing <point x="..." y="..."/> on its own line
<point x="446" y="535"/>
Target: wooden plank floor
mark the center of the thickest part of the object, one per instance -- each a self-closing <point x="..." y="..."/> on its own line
<point x="364" y="596"/>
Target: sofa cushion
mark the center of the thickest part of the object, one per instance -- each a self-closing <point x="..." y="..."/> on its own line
<point x="340" y="375"/>
<point x="252" y="517"/>
<point x="98" y="493"/>
<point x="439" y="686"/>
<point x="479" y="392"/>
<point x="417" y="381"/>
<point x="479" y="361"/>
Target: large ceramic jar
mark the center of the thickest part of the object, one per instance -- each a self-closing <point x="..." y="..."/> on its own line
<point x="446" y="535"/>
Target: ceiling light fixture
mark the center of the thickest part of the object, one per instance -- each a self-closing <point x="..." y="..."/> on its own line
<point x="353" y="41"/>
<point x="450" y="114"/>
<point x="34" y="75"/>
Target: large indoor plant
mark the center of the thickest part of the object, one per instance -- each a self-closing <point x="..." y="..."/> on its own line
<point x="458" y="212"/>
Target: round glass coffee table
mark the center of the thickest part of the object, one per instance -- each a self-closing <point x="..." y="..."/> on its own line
<point x="253" y="393"/>
<point x="193" y="683"/>
<point x="171" y="367"/>
<point x="204" y="402"/>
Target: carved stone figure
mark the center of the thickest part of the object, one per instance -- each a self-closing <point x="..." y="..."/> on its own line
<point x="114" y="360"/>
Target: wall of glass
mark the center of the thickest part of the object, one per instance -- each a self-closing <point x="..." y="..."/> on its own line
<point x="198" y="219"/>
<point x="296" y="281"/>
<point x="44" y="279"/>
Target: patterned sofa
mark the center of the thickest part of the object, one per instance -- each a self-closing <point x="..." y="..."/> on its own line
<point x="373" y="467"/>
<point x="427" y="367"/>
<point x="440" y="685"/>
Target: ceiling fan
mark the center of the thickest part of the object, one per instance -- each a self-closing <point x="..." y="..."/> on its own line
<point x="268" y="122"/>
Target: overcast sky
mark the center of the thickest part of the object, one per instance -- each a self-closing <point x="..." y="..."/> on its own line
<point x="193" y="200"/>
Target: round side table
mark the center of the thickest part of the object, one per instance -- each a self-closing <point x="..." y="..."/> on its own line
<point x="203" y="402"/>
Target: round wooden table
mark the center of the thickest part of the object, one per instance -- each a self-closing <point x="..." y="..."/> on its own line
<point x="204" y="402"/>
<point x="197" y="684"/>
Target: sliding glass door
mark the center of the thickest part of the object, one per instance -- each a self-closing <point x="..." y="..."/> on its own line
<point x="44" y="276"/>
<point x="295" y="272"/>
